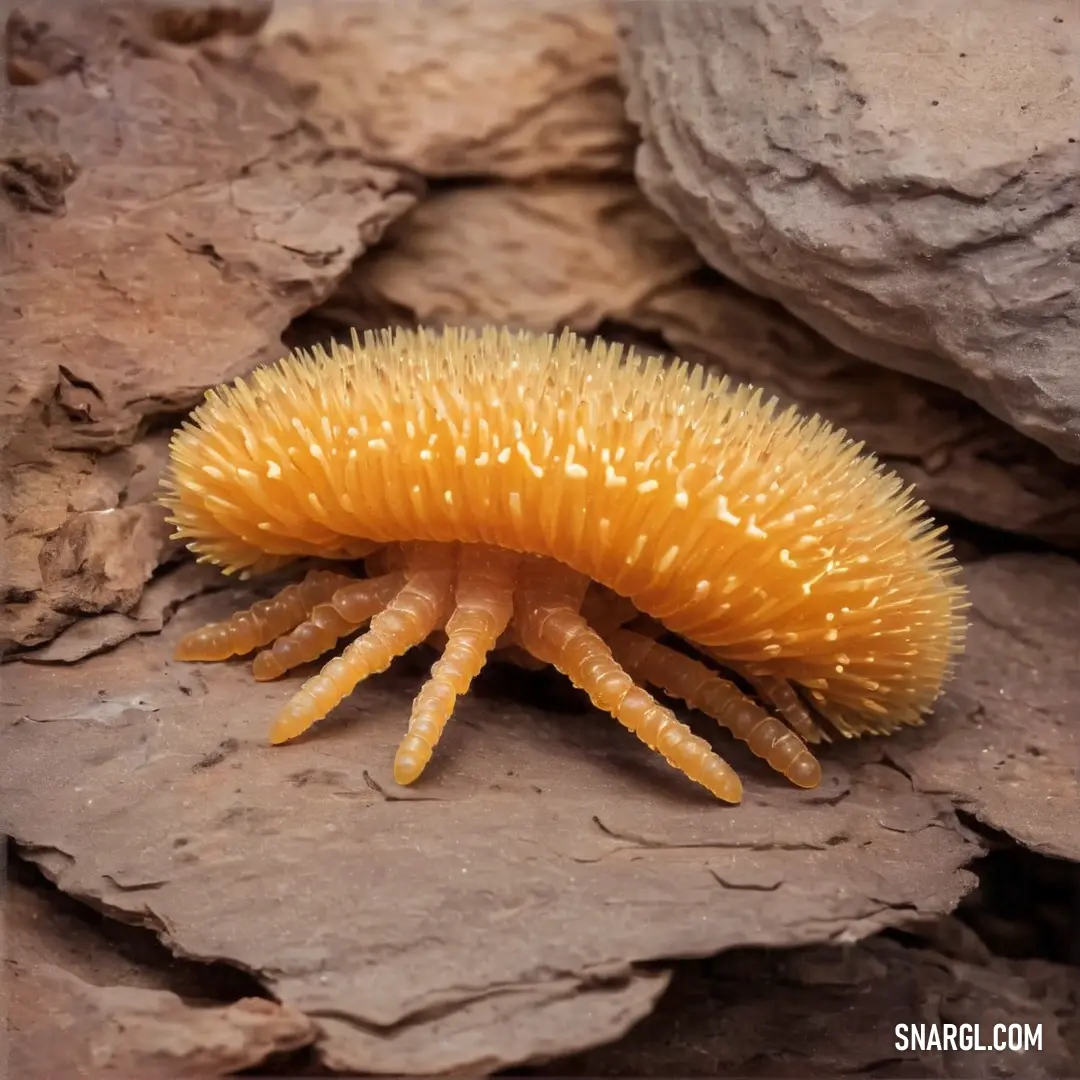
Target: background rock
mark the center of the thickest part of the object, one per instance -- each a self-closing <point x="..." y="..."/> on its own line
<point x="570" y="253"/>
<point x="186" y="21"/>
<point x="755" y="1014"/>
<point x="162" y="219"/>
<point x="459" y="87"/>
<point x="904" y="180"/>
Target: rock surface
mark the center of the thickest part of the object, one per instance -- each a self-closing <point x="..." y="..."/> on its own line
<point x="750" y="1012"/>
<point x="755" y="1014"/>
<point x="395" y="917"/>
<point x="906" y="180"/>
<point x="459" y="87"/>
<point x="119" y="1014"/>
<point x="542" y="256"/>
<point x="162" y="219"/>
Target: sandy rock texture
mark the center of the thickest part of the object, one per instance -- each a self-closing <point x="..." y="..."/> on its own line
<point x="459" y="87"/>
<point x="904" y="179"/>
<point x="541" y="256"/>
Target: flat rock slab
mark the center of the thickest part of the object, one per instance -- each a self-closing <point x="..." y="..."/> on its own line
<point x="597" y="250"/>
<point x="501" y="910"/>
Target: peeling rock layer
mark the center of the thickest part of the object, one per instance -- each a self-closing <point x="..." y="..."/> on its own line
<point x="904" y="179"/>
<point x="125" y="1008"/>
<point x="165" y="218"/>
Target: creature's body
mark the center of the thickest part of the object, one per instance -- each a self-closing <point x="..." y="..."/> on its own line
<point x="542" y="495"/>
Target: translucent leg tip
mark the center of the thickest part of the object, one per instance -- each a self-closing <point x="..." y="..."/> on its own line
<point x="806" y="772"/>
<point x="265" y="667"/>
<point x="206" y="645"/>
<point x="732" y="793"/>
<point x="285" y="729"/>
<point x="407" y="767"/>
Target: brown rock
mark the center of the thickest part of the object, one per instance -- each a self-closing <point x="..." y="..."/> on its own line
<point x="534" y="257"/>
<point x="187" y="21"/>
<point x="906" y="180"/>
<point x="156" y="604"/>
<point x="34" y="51"/>
<point x="123" y="1031"/>
<point x="147" y="787"/>
<point x="122" y="1005"/>
<point x="163" y="219"/>
<point x="459" y="87"/>
<point x="768" y="1014"/>
<point x="1007" y="745"/>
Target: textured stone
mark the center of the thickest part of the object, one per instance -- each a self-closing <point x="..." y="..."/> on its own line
<point x="125" y="1005"/>
<point x="538" y="257"/>
<point x="458" y="87"/>
<point x="512" y="905"/>
<point x="905" y="179"/>
<point x="768" y="1014"/>
<point x="162" y="219"/>
<point x="186" y="21"/>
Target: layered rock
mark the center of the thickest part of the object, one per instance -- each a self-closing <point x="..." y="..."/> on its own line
<point x="904" y="179"/>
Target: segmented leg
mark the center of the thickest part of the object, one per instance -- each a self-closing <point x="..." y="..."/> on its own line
<point x="483" y="606"/>
<point x="348" y="609"/>
<point x="549" y="623"/>
<point x="701" y="688"/>
<point x="261" y="623"/>
<point x="782" y="696"/>
<point x="419" y="607"/>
